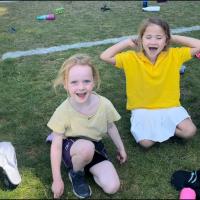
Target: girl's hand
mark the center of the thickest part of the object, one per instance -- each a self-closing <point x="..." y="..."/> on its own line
<point x="132" y="42"/>
<point x="57" y="188"/>
<point x="121" y="156"/>
<point x="135" y="41"/>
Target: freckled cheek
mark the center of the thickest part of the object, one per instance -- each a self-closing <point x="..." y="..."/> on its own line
<point x="91" y="86"/>
<point x="144" y="44"/>
<point x="72" y="89"/>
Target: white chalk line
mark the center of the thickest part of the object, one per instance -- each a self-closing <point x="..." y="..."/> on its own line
<point x="40" y="51"/>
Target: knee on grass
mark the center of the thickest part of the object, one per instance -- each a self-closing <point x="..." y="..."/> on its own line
<point x="146" y="143"/>
<point x="110" y="187"/>
<point x="188" y="132"/>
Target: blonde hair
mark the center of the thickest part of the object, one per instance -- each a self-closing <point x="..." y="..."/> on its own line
<point x="77" y="59"/>
<point x="146" y="22"/>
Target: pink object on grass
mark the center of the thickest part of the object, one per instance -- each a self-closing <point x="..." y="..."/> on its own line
<point x="187" y="193"/>
<point x="50" y="17"/>
<point x="198" y="55"/>
<point x="46" y="17"/>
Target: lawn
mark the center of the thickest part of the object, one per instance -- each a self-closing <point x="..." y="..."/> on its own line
<point x="28" y="99"/>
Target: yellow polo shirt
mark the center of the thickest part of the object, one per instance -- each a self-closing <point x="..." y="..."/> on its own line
<point x="153" y="86"/>
<point x="74" y="124"/>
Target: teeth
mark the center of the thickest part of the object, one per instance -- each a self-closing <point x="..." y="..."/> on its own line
<point x="81" y="94"/>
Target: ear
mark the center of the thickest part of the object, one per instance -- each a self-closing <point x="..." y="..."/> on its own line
<point x="65" y="88"/>
<point x="65" y="84"/>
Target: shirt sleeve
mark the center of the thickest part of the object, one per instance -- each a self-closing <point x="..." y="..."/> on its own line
<point x="184" y="53"/>
<point x="58" y="122"/>
<point x="111" y="112"/>
<point x="123" y="58"/>
<point x="119" y="60"/>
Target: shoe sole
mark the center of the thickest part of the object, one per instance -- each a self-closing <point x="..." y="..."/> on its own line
<point x="81" y="197"/>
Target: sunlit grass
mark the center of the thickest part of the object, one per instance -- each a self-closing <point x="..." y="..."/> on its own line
<point x="3" y="11"/>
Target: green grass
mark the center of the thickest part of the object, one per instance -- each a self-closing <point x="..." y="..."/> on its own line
<point x="28" y="100"/>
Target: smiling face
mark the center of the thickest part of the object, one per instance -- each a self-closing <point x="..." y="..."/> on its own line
<point x="80" y="83"/>
<point x="154" y="41"/>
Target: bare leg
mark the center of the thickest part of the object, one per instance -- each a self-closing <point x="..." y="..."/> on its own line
<point x="186" y="129"/>
<point x="146" y="143"/>
<point x="82" y="152"/>
<point x="106" y="177"/>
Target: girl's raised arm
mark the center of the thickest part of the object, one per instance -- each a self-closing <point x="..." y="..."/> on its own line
<point x="109" y="54"/>
<point x="187" y="41"/>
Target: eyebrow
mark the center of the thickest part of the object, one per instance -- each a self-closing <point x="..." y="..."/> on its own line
<point x="155" y="35"/>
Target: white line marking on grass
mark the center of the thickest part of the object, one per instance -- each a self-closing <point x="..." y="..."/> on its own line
<point x="5" y="1"/>
<point x="40" y="51"/>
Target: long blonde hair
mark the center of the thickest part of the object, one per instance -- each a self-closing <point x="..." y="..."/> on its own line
<point x="77" y="59"/>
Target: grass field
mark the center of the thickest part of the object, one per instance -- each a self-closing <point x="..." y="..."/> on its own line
<point x="28" y="100"/>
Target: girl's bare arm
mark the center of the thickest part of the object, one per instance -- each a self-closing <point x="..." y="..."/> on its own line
<point x="114" y="135"/>
<point x="109" y="54"/>
<point x="187" y="41"/>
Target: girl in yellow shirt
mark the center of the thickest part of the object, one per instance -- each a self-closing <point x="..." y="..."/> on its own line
<point x="78" y="126"/>
<point x="153" y="81"/>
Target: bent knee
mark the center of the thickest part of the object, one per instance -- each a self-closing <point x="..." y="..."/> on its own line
<point x="87" y="152"/>
<point x="85" y="149"/>
<point x="193" y="131"/>
<point x="111" y="188"/>
<point x="190" y="132"/>
<point x="146" y="143"/>
<point x="186" y="129"/>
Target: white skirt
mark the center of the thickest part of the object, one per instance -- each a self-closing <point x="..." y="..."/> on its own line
<point x="156" y="125"/>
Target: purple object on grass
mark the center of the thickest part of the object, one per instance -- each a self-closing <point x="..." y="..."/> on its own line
<point x="49" y="138"/>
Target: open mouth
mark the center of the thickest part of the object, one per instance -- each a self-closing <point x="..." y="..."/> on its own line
<point x="153" y="49"/>
<point x="81" y="95"/>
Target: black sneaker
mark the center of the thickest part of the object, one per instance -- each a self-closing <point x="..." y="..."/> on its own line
<point x="181" y="179"/>
<point x="80" y="188"/>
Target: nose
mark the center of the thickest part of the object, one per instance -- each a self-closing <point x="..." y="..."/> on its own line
<point x="81" y="86"/>
<point x="153" y="40"/>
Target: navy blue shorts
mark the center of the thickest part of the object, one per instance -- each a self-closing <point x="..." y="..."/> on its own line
<point x="99" y="155"/>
